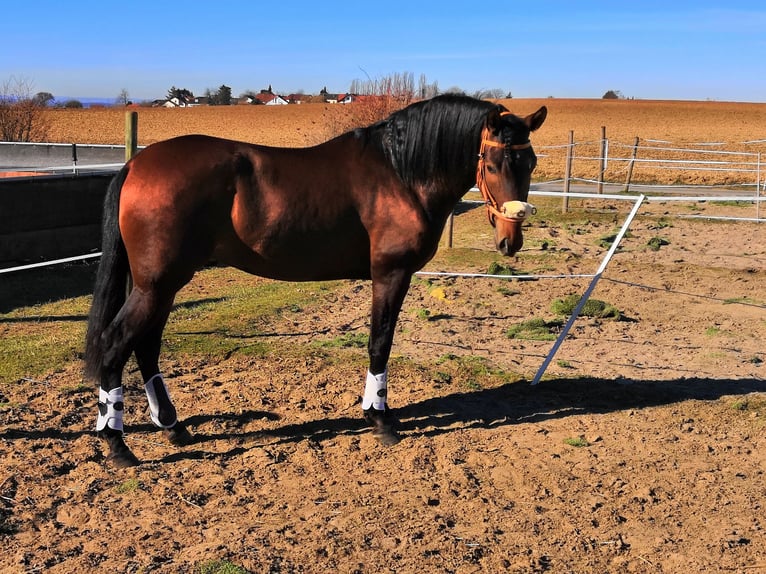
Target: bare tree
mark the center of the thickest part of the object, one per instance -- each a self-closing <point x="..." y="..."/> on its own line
<point x="123" y="98"/>
<point x="492" y="94"/>
<point x="426" y="90"/>
<point x="21" y="113"/>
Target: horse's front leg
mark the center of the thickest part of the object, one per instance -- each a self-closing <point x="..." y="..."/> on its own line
<point x="388" y="294"/>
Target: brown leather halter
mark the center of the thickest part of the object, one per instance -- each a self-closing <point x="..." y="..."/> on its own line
<point x="481" y="182"/>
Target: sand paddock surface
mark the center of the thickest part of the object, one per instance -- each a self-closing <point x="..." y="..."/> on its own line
<point x="642" y="451"/>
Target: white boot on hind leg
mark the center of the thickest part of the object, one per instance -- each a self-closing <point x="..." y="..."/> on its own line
<point x="159" y="397"/>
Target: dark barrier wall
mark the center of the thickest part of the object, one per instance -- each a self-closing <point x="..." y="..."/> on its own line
<point x="50" y="217"/>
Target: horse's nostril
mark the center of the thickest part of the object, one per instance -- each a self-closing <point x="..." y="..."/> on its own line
<point x="503" y="246"/>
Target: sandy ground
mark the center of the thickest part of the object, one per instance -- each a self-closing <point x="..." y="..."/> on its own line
<point x="668" y="407"/>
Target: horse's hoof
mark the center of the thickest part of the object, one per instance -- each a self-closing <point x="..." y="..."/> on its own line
<point x="122" y="459"/>
<point x="178" y="435"/>
<point x="387" y="437"/>
<point x="383" y="426"/>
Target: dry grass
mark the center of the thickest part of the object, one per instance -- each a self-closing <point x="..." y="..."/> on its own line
<point x="680" y="122"/>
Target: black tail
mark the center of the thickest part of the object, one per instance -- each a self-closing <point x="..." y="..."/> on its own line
<point x="111" y="279"/>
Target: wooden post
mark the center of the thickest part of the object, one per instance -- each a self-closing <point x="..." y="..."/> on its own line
<point x="602" y="161"/>
<point x="568" y="172"/>
<point x="630" y="165"/>
<point x="131" y="134"/>
<point x="450" y="228"/>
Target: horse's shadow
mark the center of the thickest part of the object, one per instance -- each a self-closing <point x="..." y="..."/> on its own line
<point x="504" y="406"/>
<point x="510" y="404"/>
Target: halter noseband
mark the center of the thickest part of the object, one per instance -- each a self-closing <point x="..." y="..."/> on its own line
<point x="510" y="210"/>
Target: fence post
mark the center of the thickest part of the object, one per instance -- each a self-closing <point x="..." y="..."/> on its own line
<point x="602" y="161"/>
<point x="450" y="228"/>
<point x="630" y="165"/>
<point x="568" y="172"/>
<point x="131" y="134"/>
<point x="74" y="158"/>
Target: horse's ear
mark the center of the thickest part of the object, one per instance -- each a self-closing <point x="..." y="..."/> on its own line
<point x="493" y="121"/>
<point x="535" y="120"/>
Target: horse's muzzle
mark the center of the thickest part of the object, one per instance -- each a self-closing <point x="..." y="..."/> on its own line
<point x="504" y="247"/>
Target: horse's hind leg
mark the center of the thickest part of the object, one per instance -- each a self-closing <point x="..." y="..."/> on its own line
<point x="143" y="313"/>
<point x="161" y="409"/>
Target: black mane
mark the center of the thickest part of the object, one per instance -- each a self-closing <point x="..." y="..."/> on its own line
<point x="436" y="139"/>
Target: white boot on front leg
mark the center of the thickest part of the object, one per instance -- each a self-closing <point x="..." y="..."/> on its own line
<point x="110" y="407"/>
<point x="375" y="391"/>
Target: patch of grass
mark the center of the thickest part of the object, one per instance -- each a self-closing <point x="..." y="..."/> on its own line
<point x="712" y="331"/>
<point x="497" y="268"/>
<point x="423" y="314"/>
<point x="442" y="378"/>
<point x="535" y="330"/>
<point x="656" y="242"/>
<point x="227" y="324"/>
<point x="751" y="404"/>
<point x="663" y="222"/>
<point x="358" y="340"/>
<point x="219" y="567"/>
<point x="732" y="203"/>
<point x="130" y="485"/>
<point x="742" y="300"/>
<point x="507" y="292"/>
<point x="472" y="371"/>
<point x="39" y="348"/>
<point x="577" y="442"/>
<point x="605" y="241"/>
<point x="592" y="308"/>
<point x="564" y="364"/>
<point x="77" y="389"/>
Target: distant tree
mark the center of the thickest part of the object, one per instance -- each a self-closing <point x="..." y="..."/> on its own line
<point x="44" y="98"/>
<point x="73" y="104"/>
<point x="182" y="94"/>
<point x="21" y="113"/>
<point x="376" y="99"/>
<point x="399" y="87"/>
<point x="123" y="98"/>
<point x="455" y="90"/>
<point x="426" y="90"/>
<point x="493" y="94"/>
<point x="220" y="97"/>
<point x="612" y="95"/>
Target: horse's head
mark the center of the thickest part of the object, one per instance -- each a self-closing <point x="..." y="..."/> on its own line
<point x="504" y="171"/>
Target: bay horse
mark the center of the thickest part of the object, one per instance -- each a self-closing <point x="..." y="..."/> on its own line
<point x="369" y="204"/>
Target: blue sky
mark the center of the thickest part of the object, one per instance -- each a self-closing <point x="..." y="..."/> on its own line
<point x="692" y="50"/>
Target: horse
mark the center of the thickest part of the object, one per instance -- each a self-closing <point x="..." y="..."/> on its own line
<point x="369" y="204"/>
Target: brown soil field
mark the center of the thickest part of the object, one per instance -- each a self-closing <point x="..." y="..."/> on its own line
<point x="643" y="450"/>
<point x="680" y="122"/>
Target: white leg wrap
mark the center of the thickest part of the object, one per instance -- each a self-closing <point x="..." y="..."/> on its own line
<point x="375" y="391"/>
<point x="153" y="386"/>
<point x="110" y="408"/>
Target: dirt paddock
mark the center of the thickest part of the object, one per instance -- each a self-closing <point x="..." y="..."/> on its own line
<point x="643" y="450"/>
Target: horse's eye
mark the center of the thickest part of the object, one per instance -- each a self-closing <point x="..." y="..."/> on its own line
<point x="491" y="169"/>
